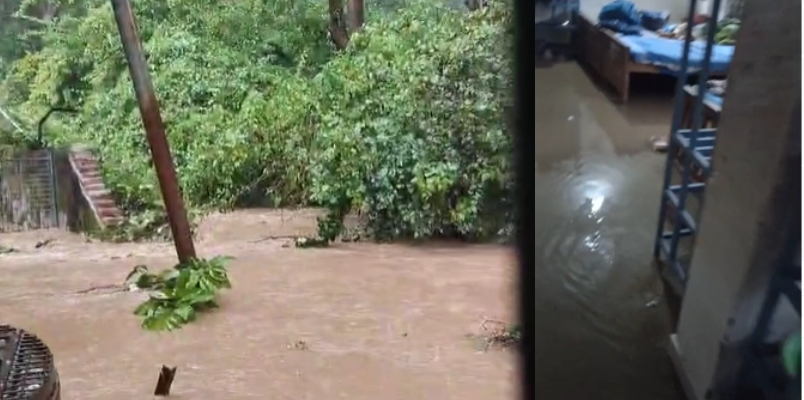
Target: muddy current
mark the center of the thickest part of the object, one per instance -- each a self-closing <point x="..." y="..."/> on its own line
<point x="355" y="321"/>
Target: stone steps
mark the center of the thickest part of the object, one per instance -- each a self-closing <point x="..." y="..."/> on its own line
<point x="86" y="167"/>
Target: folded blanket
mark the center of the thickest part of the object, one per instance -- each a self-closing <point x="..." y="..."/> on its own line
<point x="621" y="16"/>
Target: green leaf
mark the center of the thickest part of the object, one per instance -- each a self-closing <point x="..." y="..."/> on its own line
<point x="159" y="296"/>
<point x="144" y="309"/>
<point x="186" y="313"/>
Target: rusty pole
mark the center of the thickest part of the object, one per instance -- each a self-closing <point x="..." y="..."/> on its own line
<point x="154" y="131"/>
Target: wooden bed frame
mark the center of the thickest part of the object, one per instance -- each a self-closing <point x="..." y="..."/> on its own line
<point x="610" y="58"/>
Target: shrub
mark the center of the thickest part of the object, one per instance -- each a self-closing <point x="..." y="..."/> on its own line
<point x="413" y="133"/>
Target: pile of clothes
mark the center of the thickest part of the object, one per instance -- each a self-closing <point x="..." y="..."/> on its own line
<point x="622" y="16"/>
<point x="727" y="31"/>
<point x="725" y="34"/>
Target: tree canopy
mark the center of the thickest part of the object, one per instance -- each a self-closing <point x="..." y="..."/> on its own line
<point x="404" y="124"/>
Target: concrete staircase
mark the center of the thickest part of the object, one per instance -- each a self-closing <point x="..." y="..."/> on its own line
<point x="87" y="170"/>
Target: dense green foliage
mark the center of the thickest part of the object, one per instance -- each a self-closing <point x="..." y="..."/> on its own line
<point x="405" y="125"/>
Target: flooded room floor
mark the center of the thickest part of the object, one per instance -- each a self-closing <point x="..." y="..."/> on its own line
<point x="599" y="304"/>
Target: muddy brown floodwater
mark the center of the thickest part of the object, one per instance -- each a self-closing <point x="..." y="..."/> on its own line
<point x="600" y="314"/>
<point x="356" y="321"/>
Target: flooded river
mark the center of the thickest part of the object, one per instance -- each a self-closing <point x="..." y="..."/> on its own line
<point x="356" y="321"/>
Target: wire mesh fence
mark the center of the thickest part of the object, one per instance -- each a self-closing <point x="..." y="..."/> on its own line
<point x="27" y="190"/>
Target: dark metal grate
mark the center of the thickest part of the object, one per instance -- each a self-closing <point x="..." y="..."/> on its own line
<point x="27" y="190"/>
<point x="26" y="367"/>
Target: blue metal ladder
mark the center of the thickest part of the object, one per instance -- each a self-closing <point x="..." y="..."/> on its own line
<point x="692" y="149"/>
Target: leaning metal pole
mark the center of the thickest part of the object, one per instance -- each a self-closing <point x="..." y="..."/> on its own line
<point x="155" y="131"/>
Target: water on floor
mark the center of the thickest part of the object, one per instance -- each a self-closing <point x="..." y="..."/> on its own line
<point x="602" y="328"/>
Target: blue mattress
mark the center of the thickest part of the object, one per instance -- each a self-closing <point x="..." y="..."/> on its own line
<point x="650" y="48"/>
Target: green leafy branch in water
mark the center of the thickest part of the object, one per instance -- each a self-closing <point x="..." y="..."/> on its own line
<point x="330" y="227"/>
<point x="177" y="295"/>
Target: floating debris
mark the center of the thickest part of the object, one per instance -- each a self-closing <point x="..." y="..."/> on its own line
<point x="165" y="381"/>
<point x="659" y="144"/>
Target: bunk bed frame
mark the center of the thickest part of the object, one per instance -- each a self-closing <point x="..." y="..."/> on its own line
<point x="610" y="58"/>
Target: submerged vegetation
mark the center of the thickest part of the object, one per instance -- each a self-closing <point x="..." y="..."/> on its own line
<point x="403" y="124"/>
<point x="177" y="295"/>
